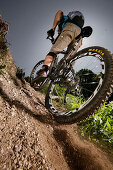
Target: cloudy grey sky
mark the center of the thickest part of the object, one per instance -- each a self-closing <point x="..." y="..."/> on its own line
<point x="29" y="20"/>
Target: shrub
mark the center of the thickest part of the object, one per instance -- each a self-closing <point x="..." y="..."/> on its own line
<point x="100" y="125"/>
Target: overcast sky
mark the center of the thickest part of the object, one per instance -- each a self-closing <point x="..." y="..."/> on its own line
<point x="29" y="20"/>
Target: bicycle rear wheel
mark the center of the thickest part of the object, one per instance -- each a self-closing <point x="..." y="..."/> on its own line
<point x="37" y="85"/>
<point x="85" y="88"/>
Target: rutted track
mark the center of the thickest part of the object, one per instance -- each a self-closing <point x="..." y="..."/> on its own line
<point x="31" y="139"/>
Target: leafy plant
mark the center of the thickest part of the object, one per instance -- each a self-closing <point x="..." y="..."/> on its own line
<point x="100" y="125"/>
<point x="3" y="52"/>
<point x="66" y="99"/>
<point x="2" y="67"/>
<point x="44" y="90"/>
<point x="73" y="102"/>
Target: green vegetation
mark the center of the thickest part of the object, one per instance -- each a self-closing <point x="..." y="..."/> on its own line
<point x="2" y="57"/>
<point x="88" y="82"/>
<point x="99" y="127"/>
<point x="73" y="102"/>
<point x="1" y="68"/>
<point x="65" y="99"/>
<point x="44" y="90"/>
<point x="3" y="52"/>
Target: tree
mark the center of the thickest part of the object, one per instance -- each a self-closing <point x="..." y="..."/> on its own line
<point x="88" y="82"/>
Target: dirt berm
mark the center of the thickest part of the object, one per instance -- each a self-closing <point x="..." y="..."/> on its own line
<point x="31" y="139"/>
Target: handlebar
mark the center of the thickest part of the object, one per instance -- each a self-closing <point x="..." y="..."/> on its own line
<point x="51" y="39"/>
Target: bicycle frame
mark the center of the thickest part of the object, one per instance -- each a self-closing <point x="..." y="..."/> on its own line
<point x="64" y="60"/>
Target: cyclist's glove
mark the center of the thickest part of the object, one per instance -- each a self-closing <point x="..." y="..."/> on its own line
<point x="51" y="32"/>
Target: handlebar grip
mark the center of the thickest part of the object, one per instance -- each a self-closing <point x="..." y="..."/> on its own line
<point x="50" y="38"/>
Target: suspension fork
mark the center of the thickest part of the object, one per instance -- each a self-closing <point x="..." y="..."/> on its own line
<point x="66" y="92"/>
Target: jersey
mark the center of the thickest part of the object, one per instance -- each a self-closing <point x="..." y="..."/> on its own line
<point x="63" y="23"/>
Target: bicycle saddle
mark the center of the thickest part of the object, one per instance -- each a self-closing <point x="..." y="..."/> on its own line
<point x="85" y="32"/>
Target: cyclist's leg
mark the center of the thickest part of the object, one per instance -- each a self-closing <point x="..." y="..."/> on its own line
<point x="76" y="49"/>
<point x="66" y="39"/>
<point x="62" y="42"/>
<point x="69" y="33"/>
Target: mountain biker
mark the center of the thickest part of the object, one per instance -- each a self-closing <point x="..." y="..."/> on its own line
<point x="69" y="27"/>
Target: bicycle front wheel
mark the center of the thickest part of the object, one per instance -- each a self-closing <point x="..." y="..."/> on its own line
<point x="85" y="88"/>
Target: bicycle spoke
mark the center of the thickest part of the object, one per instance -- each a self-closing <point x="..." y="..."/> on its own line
<point x="58" y="95"/>
<point x="87" y="90"/>
<point x="91" y="83"/>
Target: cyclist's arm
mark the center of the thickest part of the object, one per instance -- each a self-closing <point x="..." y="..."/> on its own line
<point x="57" y="19"/>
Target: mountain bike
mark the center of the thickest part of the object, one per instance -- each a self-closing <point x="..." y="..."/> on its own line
<point x="77" y="85"/>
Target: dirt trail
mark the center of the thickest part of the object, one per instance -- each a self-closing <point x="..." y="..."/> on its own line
<point x="31" y="139"/>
